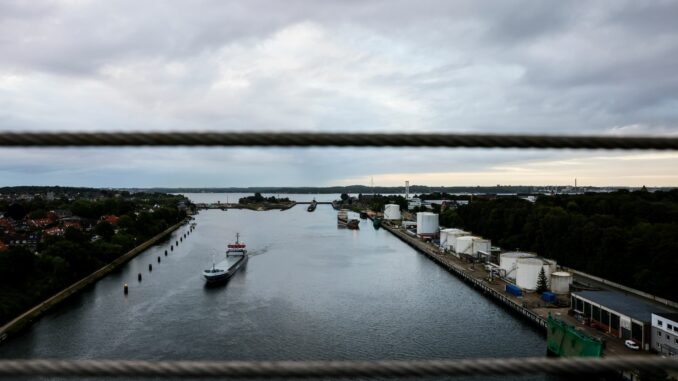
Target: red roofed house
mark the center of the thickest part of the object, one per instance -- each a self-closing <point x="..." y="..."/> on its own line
<point x="111" y="219"/>
<point x="39" y="222"/>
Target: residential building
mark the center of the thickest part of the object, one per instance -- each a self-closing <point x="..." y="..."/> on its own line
<point x="111" y="219"/>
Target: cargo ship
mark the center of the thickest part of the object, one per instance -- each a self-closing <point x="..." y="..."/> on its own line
<point x="376" y="222"/>
<point x="236" y="257"/>
<point x="312" y="206"/>
<point x="563" y="340"/>
<point x="353" y="224"/>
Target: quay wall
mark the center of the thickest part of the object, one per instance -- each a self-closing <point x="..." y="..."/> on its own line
<point x="29" y="316"/>
<point x="449" y="264"/>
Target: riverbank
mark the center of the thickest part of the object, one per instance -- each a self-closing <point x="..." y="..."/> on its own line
<point x="25" y="319"/>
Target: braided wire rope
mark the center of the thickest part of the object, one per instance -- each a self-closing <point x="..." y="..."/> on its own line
<point x="309" y="139"/>
<point x="334" y="369"/>
<point x="324" y="369"/>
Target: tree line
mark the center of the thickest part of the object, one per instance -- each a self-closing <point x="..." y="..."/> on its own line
<point x="627" y="237"/>
<point x="258" y="198"/>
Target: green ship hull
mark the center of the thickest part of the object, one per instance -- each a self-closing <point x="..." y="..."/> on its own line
<point x="565" y="341"/>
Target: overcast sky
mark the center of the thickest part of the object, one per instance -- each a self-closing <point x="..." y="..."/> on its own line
<point x="556" y="67"/>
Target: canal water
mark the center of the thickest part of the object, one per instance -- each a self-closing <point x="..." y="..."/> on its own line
<point x="310" y="291"/>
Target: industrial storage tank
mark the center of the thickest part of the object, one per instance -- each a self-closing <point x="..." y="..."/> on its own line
<point x="528" y="269"/>
<point x="392" y="212"/>
<point x="470" y="245"/>
<point x="448" y="237"/>
<point x="527" y="272"/>
<point x="551" y="266"/>
<point x="427" y="223"/>
<point x="507" y="262"/>
<point x="560" y="282"/>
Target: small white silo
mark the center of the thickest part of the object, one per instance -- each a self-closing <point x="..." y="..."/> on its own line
<point x="427" y="223"/>
<point x="392" y="212"/>
<point x="560" y="282"/>
<point x="507" y="262"/>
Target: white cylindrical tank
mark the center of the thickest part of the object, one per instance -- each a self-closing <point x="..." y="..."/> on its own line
<point x="427" y="223"/>
<point x="483" y="245"/>
<point x="465" y="244"/>
<point x="527" y="272"/>
<point x="470" y="245"/>
<point x="507" y="262"/>
<point x="452" y="238"/>
<point x="392" y="212"/>
<point x="443" y="238"/>
<point x="550" y="266"/>
<point x="448" y="237"/>
<point x="560" y="282"/>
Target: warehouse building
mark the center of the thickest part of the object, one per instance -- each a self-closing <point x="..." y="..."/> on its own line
<point x="621" y="315"/>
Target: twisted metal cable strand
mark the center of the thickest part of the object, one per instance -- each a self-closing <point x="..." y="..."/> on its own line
<point x="324" y="369"/>
<point x="307" y="139"/>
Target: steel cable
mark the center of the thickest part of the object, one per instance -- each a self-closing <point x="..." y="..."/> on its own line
<point x="323" y="369"/>
<point x="334" y="369"/>
<point x="309" y="139"/>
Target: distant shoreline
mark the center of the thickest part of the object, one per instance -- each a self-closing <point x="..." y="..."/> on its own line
<point x="352" y="189"/>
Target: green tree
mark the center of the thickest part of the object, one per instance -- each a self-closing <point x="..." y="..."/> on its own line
<point x="542" y="282"/>
<point x="258" y="197"/>
<point x="16" y="211"/>
<point x="125" y="222"/>
<point x="15" y="264"/>
<point x="39" y="213"/>
<point x="75" y="235"/>
<point x="105" y="230"/>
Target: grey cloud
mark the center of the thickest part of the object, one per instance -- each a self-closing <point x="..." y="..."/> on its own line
<point x="525" y="66"/>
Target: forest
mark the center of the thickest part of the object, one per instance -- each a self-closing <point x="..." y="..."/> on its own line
<point x="27" y="277"/>
<point x="626" y="237"/>
<point x="258" y="198"/>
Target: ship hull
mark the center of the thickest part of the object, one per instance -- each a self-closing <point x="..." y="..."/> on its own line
<point x="224" y="273"/>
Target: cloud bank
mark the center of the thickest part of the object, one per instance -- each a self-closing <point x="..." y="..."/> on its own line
<point x="605" y="67"/>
